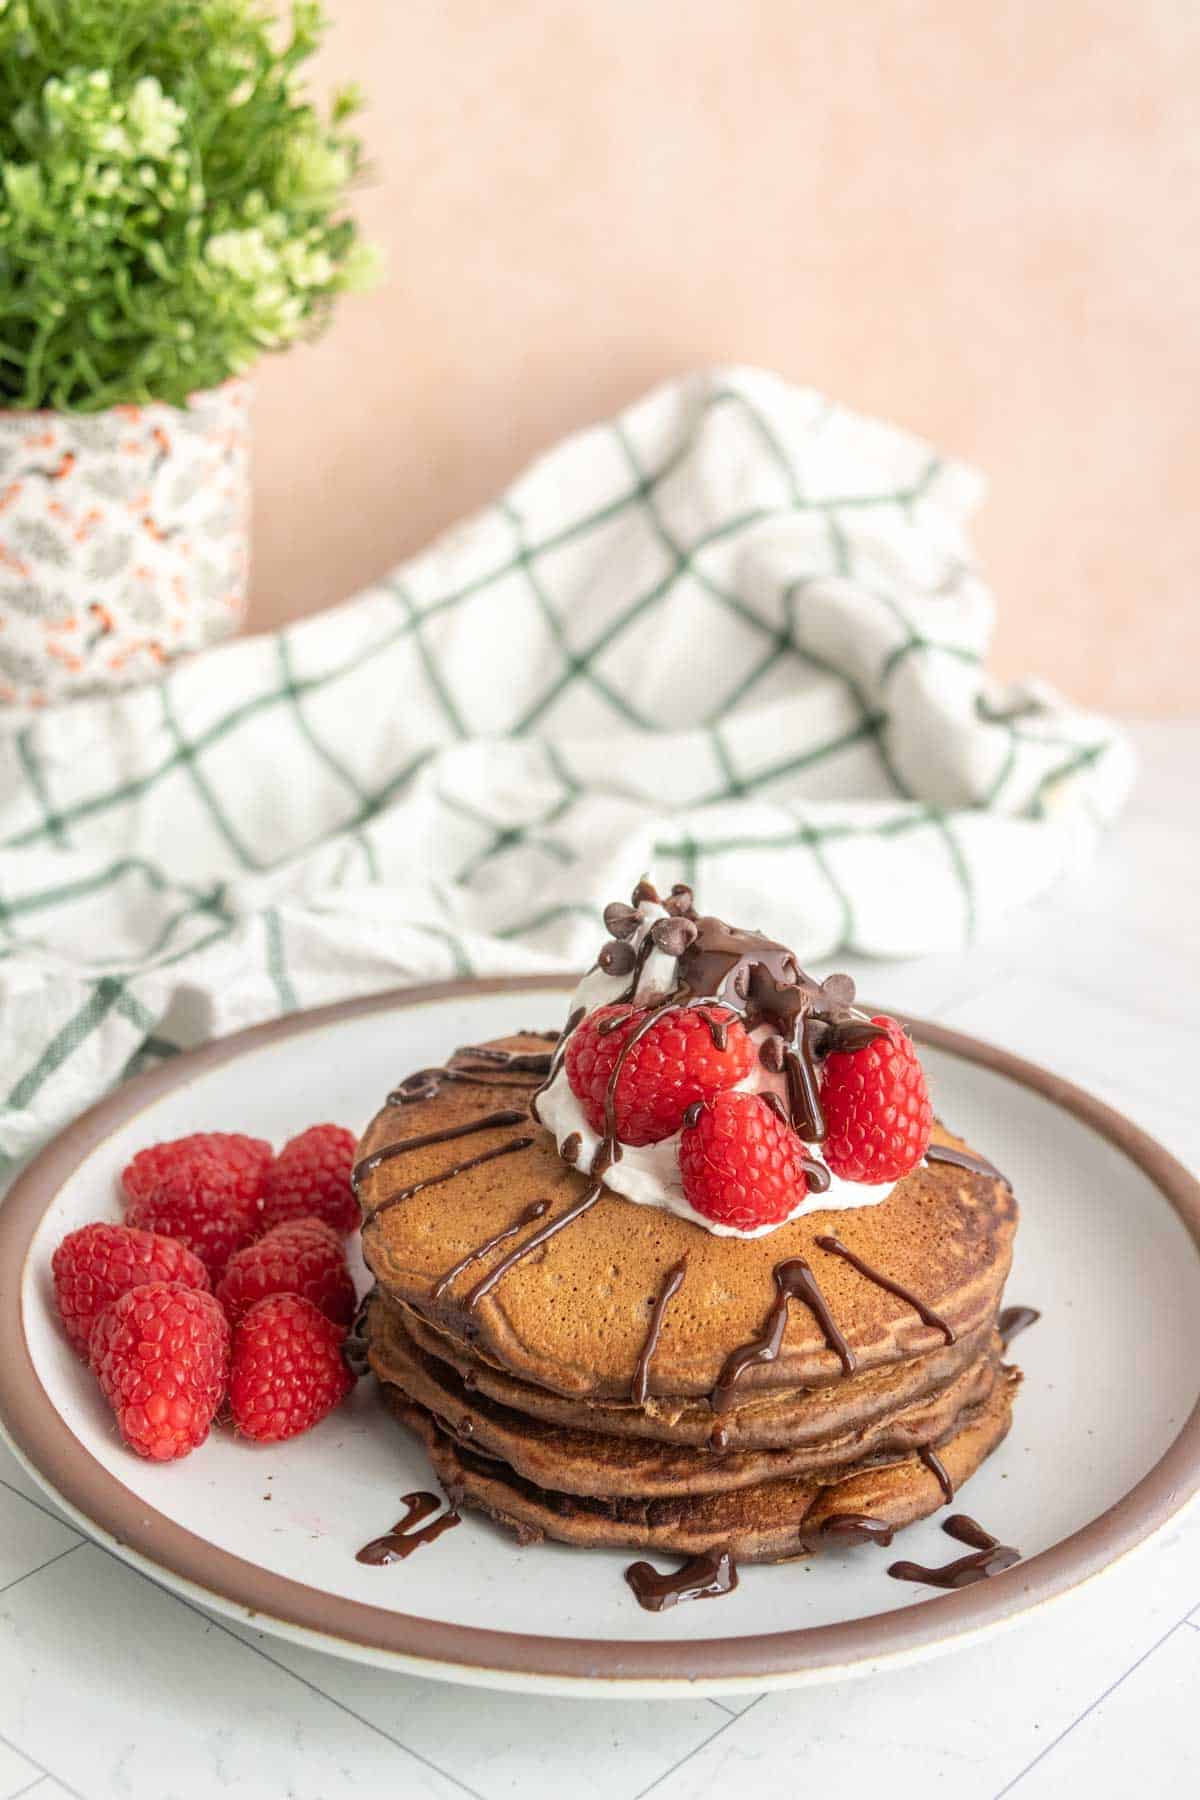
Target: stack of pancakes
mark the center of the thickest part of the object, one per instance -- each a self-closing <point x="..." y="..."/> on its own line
<point x="551" y="1402"/>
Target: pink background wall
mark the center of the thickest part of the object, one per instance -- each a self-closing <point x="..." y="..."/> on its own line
<point x="979" y="220"/>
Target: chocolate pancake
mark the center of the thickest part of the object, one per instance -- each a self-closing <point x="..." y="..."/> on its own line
<point x="768" y="1419"/>
<point x="604" y="1466"/>
<point x="460" y="1160"/>
<point x="770" y="1521"/>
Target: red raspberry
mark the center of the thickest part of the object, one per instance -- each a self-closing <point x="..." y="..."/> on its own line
<point x="310" y="1179"/>
<point x="97" y="1263"/>
<point x="161" y="1353"/>
<point x="877" y="1112"/>
<point x="675" y="1064"/>
<point x="246" y="1158"/>
<point x="304" y="1257"/>
<point x="203" y="1203"/>
<point x="287" y="1368"/>
<point x="741" y="1164"/>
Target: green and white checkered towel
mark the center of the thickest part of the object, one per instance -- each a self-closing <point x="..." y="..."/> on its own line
<point x="733" y="637"/>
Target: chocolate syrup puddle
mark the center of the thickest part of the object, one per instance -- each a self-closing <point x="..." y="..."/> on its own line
<point x="937" y="1467"/>
<point x="835" y="1247"/>
<point x="533" y="1243"/>
<point x="408" y="1533"/>
<point x="524" y="1218"/>
<point x="794" y="1280"/>
<point x="1014" y="1320"/>
<point x="472" y="1162"/>
<point x="858" y="1528"/>
<point x="704" y="1577"/>
<point x="488" y="1122"/>
<point x="963" y="1159"/>
<point x="989" y="1558"/>
<point x="640" y="1385"/>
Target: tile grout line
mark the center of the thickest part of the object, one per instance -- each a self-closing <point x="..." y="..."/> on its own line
<point x="42" y="1507"/>
<point x="34" y="1784"/>
<point x="710" y="1739"/>
<point x="45" y="1775"/>
<point x="48" y="1564"/>
<point x="721" y="1704"/>
<point x="207" y="1618"/>
<point x="1090" y="1708"/>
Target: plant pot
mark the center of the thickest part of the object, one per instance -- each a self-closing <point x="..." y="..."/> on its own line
<point x="123" y="540"/>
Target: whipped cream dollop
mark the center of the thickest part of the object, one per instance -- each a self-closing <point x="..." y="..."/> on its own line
<point x="648" y="1174"/>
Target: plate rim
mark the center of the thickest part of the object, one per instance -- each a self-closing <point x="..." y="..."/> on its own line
<point x="159" y="1546"/>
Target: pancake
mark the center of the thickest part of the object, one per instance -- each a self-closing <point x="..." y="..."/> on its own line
<point x="767" y="1420"/>
<point x="601" y="1465"/>
<point x="771" y="1522"/>
<point x="572" y="1317"/>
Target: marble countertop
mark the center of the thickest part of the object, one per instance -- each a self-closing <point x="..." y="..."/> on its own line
<point x="110" y="1686"/>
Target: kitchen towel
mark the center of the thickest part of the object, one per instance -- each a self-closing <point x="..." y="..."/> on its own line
<point x="733" y="637"/>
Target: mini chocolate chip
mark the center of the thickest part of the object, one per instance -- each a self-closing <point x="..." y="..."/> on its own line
<point x="837" y="990"/>
<point x="620" y="919"/>
<point x="645" y="890"/>
<point x="616" y="958"/>
<point x="680" y="902"/>
<point x="673" y="935"/>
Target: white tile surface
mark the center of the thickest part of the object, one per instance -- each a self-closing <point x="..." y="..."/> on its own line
<point x="1097" y="1694"/>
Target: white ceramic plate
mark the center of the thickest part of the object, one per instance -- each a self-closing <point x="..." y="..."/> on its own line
<point x="1105" y="1444"/>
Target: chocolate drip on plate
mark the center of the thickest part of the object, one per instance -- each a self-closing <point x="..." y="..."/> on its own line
<point x="963" y="1159"/>
<point x="989" y="1558"/>
<point x="641" y="1375"/>
<point x="858" y="1528"/>
<point x="1015" y="1319"/>
<point x="794" y="1280"/>
<point x="703" y="1577"/>
<point x="937" y="1467"/>
<point x="472" y="1162"/>
<point x="526" y="1217"/>
<point x="533" y="1243"/>
<point x="408" y="1533"/>
<point x="354" y="1344"/>
<point x="835" y="1247"/>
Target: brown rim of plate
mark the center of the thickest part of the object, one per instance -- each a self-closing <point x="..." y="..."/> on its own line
<point x="41" y="1436"/>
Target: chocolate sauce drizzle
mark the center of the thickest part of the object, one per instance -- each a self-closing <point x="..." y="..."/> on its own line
<point x="471" y="1162"/>
<point x="835" y="1247"/>
<point x="526" y="1217"/>
<point x="858" y="1528"/>
<point x="937" y="1467"/>
<point x="640" y="1386"/>
<point x="519" y="1062"/>
<point x="408" y="1533"/>
<point x="964" y="1159"/>
<point x="1015" y="1319"/>
<point x="794" y="1280"/>
<point x="703" y="1577"/>
<point x="988" y="1558"/>
<point x="532" y="1243"/>
<point x="488" y="1122"/>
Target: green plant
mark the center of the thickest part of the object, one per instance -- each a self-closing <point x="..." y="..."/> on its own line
<point x="172" y="202"/>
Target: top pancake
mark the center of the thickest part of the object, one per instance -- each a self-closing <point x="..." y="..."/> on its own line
<point x="573" y="1316"/>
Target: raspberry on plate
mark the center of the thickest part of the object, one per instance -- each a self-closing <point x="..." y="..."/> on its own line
<point x="303" y="1257"/>
<point x="205" y="1204"/>
<point x="877" y="1112"/>
<point x="161" y="1355"/>
<point x="246" y="1158"/>
<point x="287" y="1370"/>
<point x="98" y="1263"/>
<point x="310" y="1179"/>
<point x="741" y="1164"/>
<point x="675" y="1064"/>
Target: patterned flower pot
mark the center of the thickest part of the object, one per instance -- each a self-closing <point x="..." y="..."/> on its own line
<point x="123" y="540"/>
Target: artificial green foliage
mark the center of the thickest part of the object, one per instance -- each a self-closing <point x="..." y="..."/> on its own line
<point x="172" y="203"/>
